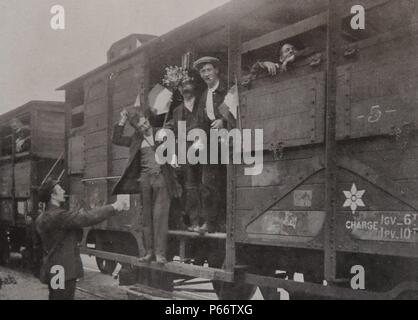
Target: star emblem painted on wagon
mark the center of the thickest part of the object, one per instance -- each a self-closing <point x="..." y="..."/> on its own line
<point x="354" y="198"/>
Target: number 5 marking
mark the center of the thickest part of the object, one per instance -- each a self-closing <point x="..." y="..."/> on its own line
<point x="375" y="114"/>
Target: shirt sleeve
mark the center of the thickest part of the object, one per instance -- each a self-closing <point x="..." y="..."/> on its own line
<point x="77" y="218"/>
<point x="82" y="218"/>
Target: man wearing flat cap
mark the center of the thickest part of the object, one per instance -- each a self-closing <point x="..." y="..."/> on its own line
<point x="61" y="231"/>
<point x="212" y="116"/>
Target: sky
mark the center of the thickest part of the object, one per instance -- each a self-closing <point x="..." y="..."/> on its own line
<point x="35" y="59"/>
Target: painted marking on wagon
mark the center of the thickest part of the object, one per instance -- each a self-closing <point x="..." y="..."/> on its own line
<point x="354" y="198"/>
<point x="302" y="198"/>
<point x="384" y="226"/>
<point x="375" y="114"/>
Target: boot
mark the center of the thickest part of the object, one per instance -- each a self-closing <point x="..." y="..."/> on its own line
<point x="147" y="258"/>
<point x="160" y="259"/>
<point x="203" y="229"/>
<point x="148" y="244"/>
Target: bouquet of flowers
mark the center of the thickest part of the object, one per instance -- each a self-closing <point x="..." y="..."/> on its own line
<point x="174" y="77"/>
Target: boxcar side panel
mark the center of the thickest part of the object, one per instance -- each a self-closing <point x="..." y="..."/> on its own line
<point x="49" y="139"/>
<point x="22" y="173"/>
<point x="6" y="180"/>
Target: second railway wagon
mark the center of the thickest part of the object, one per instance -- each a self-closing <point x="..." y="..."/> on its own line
<point x="22" y="170"/>
<point x="339" y="181"/>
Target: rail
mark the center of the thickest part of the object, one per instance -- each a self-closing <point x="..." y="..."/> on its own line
<point x="101" y="179"/>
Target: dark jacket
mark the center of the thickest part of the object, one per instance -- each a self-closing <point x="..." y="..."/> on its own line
<point x="221" y="111"/>
<point x="180" y="113"/>
<point x="60" y="231"/>
<point x="128" y="183"/>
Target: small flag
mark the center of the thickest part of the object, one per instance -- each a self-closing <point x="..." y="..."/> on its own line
<point x="125" y="200"/>
<point x="160" y="99"/>
<point x="232" y="101"/>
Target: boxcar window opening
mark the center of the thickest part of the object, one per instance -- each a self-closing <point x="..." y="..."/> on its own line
<point x="306" y="46"/>
<point x="6" y="141"/>
<point x="22" y="131"/>
<point x="267" y="36"/>
<point x="76" y="96"/>
<point x="77" y="120"/>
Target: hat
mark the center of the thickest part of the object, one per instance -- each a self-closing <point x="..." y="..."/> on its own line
<point x="45" y="190"/>
<point x="205" y="60"/>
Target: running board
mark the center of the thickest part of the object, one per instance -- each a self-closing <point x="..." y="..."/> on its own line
<point x="170" y="267"/>
<point x="193" y="235"/>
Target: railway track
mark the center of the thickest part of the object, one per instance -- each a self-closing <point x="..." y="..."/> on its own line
<point x="141" y="292"/>
<point x="89" y="295"/>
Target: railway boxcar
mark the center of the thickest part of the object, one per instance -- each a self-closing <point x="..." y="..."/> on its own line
<point x="339" y="175"/>
<point x="28" y="153"/>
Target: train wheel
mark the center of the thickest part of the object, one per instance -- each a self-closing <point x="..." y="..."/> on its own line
<point x="233" y="291"/>
<point x="270" y="293"/>
<point x="408" y="295"/>
<point x="106" y="266"/>
<point x="162" y="280"/>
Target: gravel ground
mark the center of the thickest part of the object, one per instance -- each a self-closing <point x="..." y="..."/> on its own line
<point x="21" y="286"/>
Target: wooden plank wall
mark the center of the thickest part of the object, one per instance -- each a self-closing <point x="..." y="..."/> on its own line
<point x="22" y="172"/>
<point x="129" y="79"/>
<point x="6" y="182"/>
<point x="50" y="129"/>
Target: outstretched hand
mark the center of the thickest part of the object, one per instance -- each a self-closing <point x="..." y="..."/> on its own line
<point x="119" y="206"/>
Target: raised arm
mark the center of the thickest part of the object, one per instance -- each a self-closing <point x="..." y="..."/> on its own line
<point x="117" y="137"/>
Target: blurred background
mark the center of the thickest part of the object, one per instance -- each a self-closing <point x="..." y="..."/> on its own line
<point x="35" y="59"/>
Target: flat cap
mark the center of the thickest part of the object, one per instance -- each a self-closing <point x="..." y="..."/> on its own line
<point x="205" y="60"/>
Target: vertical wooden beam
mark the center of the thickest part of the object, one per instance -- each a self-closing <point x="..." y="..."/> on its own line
<point x="333" y="49"/>
<point x="182" y="249"/>
<point x="1" y="142"/>
<point x="13" y="162"/>
<point x="234" y="72"/>
<point x="67" y="130"/>
<point x="109" y="111"/>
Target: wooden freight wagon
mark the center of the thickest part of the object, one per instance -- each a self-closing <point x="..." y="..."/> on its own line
<point x="24" y="166"/>
<point x="93" y="163"/>
<point x="338" y="184"/>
